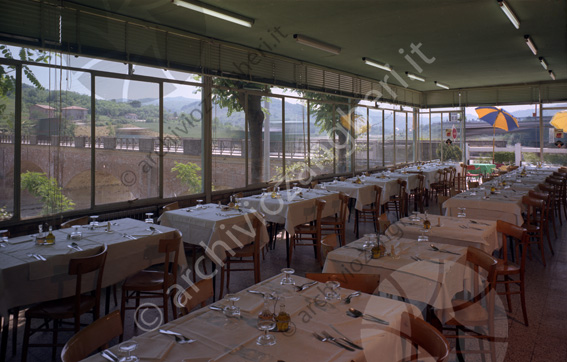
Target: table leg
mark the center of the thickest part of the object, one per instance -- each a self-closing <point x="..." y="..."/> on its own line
<point x="356" y="220"/>
<point x="5" y="332"/>
<point x="287" y="248"/>
<point x="107" y="300"/>
<point x="214" y="268"/>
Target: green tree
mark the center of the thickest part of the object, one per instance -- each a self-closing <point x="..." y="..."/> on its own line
<point x="450" y="152"/>
<point x="188" y="174"/>
<point x="47" y="189"/>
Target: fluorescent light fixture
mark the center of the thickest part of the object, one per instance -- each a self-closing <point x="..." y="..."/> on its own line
<point x="305" y="40"/>
<point x="543" y="63"/>
<point x="530" y="44"/>
<point x="415" y="77"/>
<point x="551" y="74"/>
<point x="377" y="64"/>
<point x="509" y="13"/>
<point x="214" y="11"/>
<point x="441" y="85"/>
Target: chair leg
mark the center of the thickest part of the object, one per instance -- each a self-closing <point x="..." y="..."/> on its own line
<point x="55" y="334"/>
<point x="508" y="296"/>
<point x="15" y="316"/>
<point x="165" y="308"/>
<point x="122" y="312"/>
<point x="222" y="271"/>
<point x="523" y="300"/>
<point x="25" y="345"/>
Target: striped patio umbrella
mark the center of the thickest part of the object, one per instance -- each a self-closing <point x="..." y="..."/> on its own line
<point x="559" y="120"/>
<point x="497" y="118"/>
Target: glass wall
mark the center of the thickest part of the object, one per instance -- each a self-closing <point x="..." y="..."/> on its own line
<point x="400" y="136"/>
<point x="7" y="137"/>
<point x="424" y="137"/>
<point x="296" y="149"/>
<point x="375" y="143"/>
<point x="410" y="138"/>
<point x="321" y="151"/>
<point x="271" y="137"/>
<point x="389" y="137"/>
<point x="361" y="138"/>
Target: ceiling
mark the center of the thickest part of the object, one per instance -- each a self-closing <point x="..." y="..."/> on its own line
<point x="472" y="42"/>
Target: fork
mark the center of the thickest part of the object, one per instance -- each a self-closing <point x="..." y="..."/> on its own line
<point x="417" y="258"/>
<point x="323" y="339"/>
<point x="328" y="336"/>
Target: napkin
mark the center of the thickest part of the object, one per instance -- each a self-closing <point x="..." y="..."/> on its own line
<point x="15" y="241"/>
<point x="152" y="348"/>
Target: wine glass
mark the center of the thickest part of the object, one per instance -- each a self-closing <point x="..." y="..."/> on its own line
<point x="414" y="216"/>
<point x="232" y="311"/>
<point x="332" y="287"/>
<point x="287" y="280"/>
<point x="264" y="191"/>
<point x="423" y="237"/>
<point x="149" y="217"/>
<point x="128" y="347"/>
<point x="199" y="204"/>
<point x="266" y="339"/>
<point x="461" y="212"/>
<point x="94" y="221"/>
<point x="76" y="234"/>
<point x="335" y="180"/>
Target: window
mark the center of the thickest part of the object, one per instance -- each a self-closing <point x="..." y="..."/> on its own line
<point x="389" y="129"/>
<point x="375" y="145"/>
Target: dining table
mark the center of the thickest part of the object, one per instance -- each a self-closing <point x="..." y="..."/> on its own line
<point x="409" y="269"/>
<point x="460" y="231"/>
<point x="216" y="229"/>
<point x="389" y="183"/>
<point x="31" y="273"/>
<point x="217" y="337"/>
<point x="356" y="189"/>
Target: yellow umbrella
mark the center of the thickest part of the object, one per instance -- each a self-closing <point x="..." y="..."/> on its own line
<point x="559" y="120"/>
<point x="497" y="118"/>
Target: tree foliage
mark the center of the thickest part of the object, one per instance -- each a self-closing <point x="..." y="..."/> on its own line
<point x="188" y="174"/>
<point x="48" y="190"/>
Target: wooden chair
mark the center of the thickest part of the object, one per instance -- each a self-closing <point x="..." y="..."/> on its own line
<point x="154" y="283"/>
<point x="506" y="269"/>
<point x="78" y="221"/>
<point x="192" y="248"/>
<point x="419" y="194"/>
<point x="398" y="203"/>
<point x="309" y="234"/>
<point x="170" y="207"/>
<point x="425" y="337"/>
<point x="369" y="213"/>
<point x="474" y="317"/>
<point x="472" y="176"/>
<point x="383" y="223"/>
<point x="366" y="283"/>
<point x="94" y="336"/>
<point x="250" y="253"/>
<point x="536" y="216"/>
<point x="313" y="184"/>
<point x="70" y="307"/>
<point x="550" y="205"/>
<point x="439" y="187"/>
<point x="473" y="184"/>
<point x="328" y="244"/>
<point x="560" y="185"/>
<point x="547" y="201"/>
<point x="337" y="224"/>
<point x="194" y="295"/>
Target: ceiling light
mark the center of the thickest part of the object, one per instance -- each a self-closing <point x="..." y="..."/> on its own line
<point x="214" y="11"/>
<point x="377" y="64"/>
<point x="530" y="44"/>
<point x="543" y="63"/>
<point x="305" y="40"/>
<point x="509" y="13"/>
<point x="441" y="85"/>
<point x="415" y="77"/>
<point x="551" y="74"/>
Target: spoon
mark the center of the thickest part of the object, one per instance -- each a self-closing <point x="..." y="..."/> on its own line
<point x="442" y="250"/>
<point x="76" y="246"/>
<point x="350" y="296"/>
<point x="356" y="314"/>
<point x="300" y="288"/>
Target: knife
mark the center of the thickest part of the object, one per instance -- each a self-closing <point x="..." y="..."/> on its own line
<point x="109" y="356"/>
<point x="345" y="338"/>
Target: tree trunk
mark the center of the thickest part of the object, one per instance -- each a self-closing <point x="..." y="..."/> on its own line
<point x="256" y="153"/>
<point x="344" y="149"/>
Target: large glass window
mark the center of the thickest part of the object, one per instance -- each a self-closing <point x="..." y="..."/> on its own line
<point x="361" y="139"/>
<point x="127" y="140"/>
<point x="401" y="136"/>
<point x="321" y="139"/>
<point x="389" y="129"/>
<point x="229" y="140"/>
<point x="182" y="143"/>
<point x="375" y="158"/>
<point x="7" y="140"/>
<point x="436" y="135"/>
<point x="410" y="138"/>
<point x="424" y="137"/>
<point x="296" y="125"/>
<point x="271" y="138"/>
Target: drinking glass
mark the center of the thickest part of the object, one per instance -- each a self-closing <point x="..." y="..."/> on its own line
<point x="199" y="204"/>
<point x="266" y="339"/>
<point x="232" y="311"/>
<point x="462" y="212"/>
<point x="332" y="287"/>
<point x="369" y="241"/>
<point x="264" y="191"/>
<point x="287" y="280"/>
<point x="335" y="180"/>
<point x="76" y="234"/>
<point x="94" y="221"/>
<point x="128" y="347"/>
<point x="149" y="217"/>
<point x="414" y="216"/>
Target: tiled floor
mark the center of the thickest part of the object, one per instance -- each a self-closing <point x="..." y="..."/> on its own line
<point x="546" y="289"/>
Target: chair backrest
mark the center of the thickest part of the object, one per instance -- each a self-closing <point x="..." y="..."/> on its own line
<point x="473" y="184"/>
<point x="519" y="234"/>
<point x="5" y="233"/>
<point x="366" y="283"/>
<point x="170" y="248"/>
<point x="314" y="183"/>
<point x="86" y="265"/>
<point x="194" y="295"/>
<point x="171" y="206"/>
<point x="78" y="221"/>
<point x="383" y="222"/>
<point x="328" y="244"/>
<point x="343" y="212"/>
<point x="533" y="207"/>
<point x="96" y="335"/>
<point x="377" y="196"/>
<point x="423" y="335"/>
<point x="319" y="206"/>
<point x="481" y="260"/>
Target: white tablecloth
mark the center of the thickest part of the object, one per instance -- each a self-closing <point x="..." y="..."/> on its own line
<point x="222" y="339"/>
<point x="25" y="280"/>
<point x="453" y="231"/>
<point x="214" y="229"/>
<point x="424" y="281"/>
<point x="294" y="207"/>
<point x="362" y="193"/>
